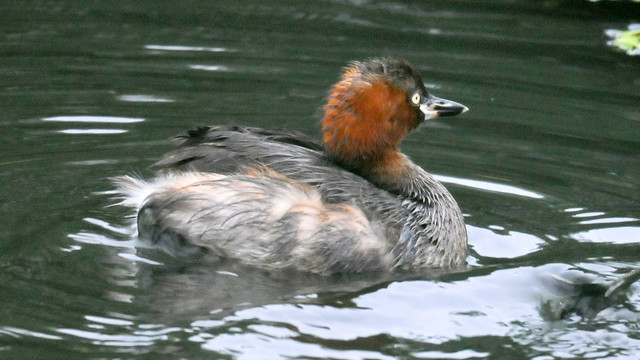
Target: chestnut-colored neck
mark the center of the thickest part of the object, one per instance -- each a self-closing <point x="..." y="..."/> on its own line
<point x="365" y="121"/>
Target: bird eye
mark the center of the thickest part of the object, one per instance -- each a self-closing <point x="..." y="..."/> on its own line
<point x="415" y="99"/>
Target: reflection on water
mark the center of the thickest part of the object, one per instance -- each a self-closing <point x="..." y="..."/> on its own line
<point x="209" y="67"/>
<point x="92" y="131"/>
<point x="93" y="119"/>
<point x="546" y="168"/>
<point x="186" y="48"/>
<point x="489" y="186"/>
<point x="615" y="235"/>
<point x="143" y="98"/>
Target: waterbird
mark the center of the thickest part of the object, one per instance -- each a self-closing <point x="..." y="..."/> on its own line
<point x="280" y="200"/>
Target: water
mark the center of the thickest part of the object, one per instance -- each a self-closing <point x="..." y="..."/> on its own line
<point x="546" y="167"/>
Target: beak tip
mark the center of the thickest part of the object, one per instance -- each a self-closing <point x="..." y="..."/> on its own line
<point x="436" y="107"/>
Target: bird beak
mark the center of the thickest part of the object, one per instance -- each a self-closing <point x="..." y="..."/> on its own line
<point x="434" y="107"/>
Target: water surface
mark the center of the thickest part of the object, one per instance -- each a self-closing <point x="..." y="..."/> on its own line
<point x="546" y="167"/>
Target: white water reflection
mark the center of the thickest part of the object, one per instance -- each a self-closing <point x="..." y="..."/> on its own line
<point x="143" y="98"/>
<point x="122" y="230"/>
<point x="258" y="345"/>
<point x="123" y="340"/>
<point x="614" y="235"/>
<point x="489" y="186"/>
<point x="108" y="321"/>
<point x="209" y="67"/>
<point x="96" y="162"/>
<point x="187" y="48"/>
<point x="513" y="244"/>
<point x="96" y="239"/>
<point x="432" y="312"/>
<point x="92" y="131"/>
<point x="463" y="354"/>
<point x="20" y="333"/>
<point x="589" y="214"/>
<point x="94" y="119"/>
<point x="613" y="220"/>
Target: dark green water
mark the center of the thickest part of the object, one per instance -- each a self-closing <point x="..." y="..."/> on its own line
<point x="546" y="167"/>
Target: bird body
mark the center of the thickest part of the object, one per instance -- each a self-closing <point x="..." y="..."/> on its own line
<point x="277" y="199"/>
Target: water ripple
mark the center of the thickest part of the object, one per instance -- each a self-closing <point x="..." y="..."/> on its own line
<point x="92" y="131"/>
<point x="187" y="48"/>
<point x="94" y="119"/>
<point x="143" y="98"/>
<point x="489" y="186"/>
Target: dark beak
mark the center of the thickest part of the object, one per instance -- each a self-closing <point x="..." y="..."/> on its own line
<point x="434" y="107"/>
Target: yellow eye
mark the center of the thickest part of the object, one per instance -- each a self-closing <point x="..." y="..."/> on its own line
<point x="415" y="99"/>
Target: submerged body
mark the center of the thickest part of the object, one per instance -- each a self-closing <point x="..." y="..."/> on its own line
<point x="277" y="199"/>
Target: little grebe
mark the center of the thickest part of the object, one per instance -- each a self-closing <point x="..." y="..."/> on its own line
<point x="277" y="199"/>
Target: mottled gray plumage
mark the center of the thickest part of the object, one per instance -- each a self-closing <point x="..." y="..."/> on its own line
<point x="275" y="199"/>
